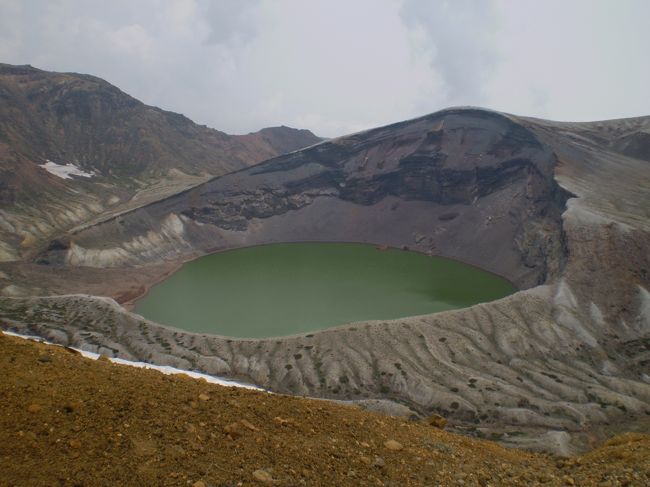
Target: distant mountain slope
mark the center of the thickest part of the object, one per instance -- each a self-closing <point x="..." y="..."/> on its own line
<point x="124" y="148"/>
<point x="286" y="139"/>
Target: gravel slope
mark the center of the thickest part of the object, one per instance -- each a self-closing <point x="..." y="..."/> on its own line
<point x="71" y="421"/>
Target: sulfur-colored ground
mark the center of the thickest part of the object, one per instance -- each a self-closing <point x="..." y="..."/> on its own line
<point x="69" y="421"/>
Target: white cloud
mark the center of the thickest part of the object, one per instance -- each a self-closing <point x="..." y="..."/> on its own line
<point x="336" y="66"/>
<point x="578" y="60"/>
<point x="132" y="40"/>
<point x="457" y="38"/>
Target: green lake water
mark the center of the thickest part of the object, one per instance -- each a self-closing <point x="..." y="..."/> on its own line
<point x="284" y="289"/>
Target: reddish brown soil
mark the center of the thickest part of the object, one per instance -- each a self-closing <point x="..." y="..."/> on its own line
<point x="70" y="421"/>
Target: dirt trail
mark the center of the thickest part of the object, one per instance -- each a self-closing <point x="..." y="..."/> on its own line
<point x="71" y="421"/>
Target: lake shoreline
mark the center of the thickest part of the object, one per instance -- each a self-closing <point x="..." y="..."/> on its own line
<point x="309" y="286"/>
<point x="176" y="265"/>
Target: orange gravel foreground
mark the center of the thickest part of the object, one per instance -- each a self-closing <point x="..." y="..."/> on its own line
<point x="71" y="421"/>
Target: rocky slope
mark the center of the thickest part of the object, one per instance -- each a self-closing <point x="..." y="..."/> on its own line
<point x="124" y="153"/>
<point x="63" y="413"/>
<point x="560" y="209"/>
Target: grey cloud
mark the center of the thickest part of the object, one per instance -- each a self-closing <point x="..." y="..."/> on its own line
<point x="456" y="36"/>
<point x="231" y="21"/>
<point x="337" y="66"/>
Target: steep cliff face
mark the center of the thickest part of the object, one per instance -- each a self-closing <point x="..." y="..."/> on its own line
<point x="73" y="147"/>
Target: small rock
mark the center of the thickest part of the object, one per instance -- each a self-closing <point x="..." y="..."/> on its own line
<point x="393" y="445"/>
<point x="543" y="478"/>
<point x="233" y="430"/>
<point x="437" y="421"/>
<point x="247" y="424"/>
<point x="74" y="443"/>
<point x="198" y="483"/>
<point x="175" y="451"/>
<point x="70" y="407"/>
<point x="263" y="476"/>
<point x="44" y="358"/>
<point x="144" y="446"/>
<point x="379" y="462"/>
<point x="365" y="460"/>
<point x="34" y="408"/>
<point x="282" y="421"/>
<point x="204" y="397"/>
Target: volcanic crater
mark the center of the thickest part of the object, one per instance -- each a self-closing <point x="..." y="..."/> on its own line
<point x="559" y="209"/>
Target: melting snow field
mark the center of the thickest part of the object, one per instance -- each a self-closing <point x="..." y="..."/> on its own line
<point x="165" y="369"/>
<point x="65" y="171"/>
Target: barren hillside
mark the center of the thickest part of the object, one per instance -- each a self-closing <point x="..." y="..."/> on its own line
<point x="70" y="421"/>
<point x="74" y="148"/>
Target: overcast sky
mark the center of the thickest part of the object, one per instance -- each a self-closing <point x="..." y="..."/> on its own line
<point x="338" y="66"/>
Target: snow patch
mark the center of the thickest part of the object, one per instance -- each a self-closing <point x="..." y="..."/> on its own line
<point x="165" y="369"/>
<point x="644" y="309"/>
<point x="65" y="171"/>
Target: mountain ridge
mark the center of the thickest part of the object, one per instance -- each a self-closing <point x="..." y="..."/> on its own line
<point x="130" y="151"/>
